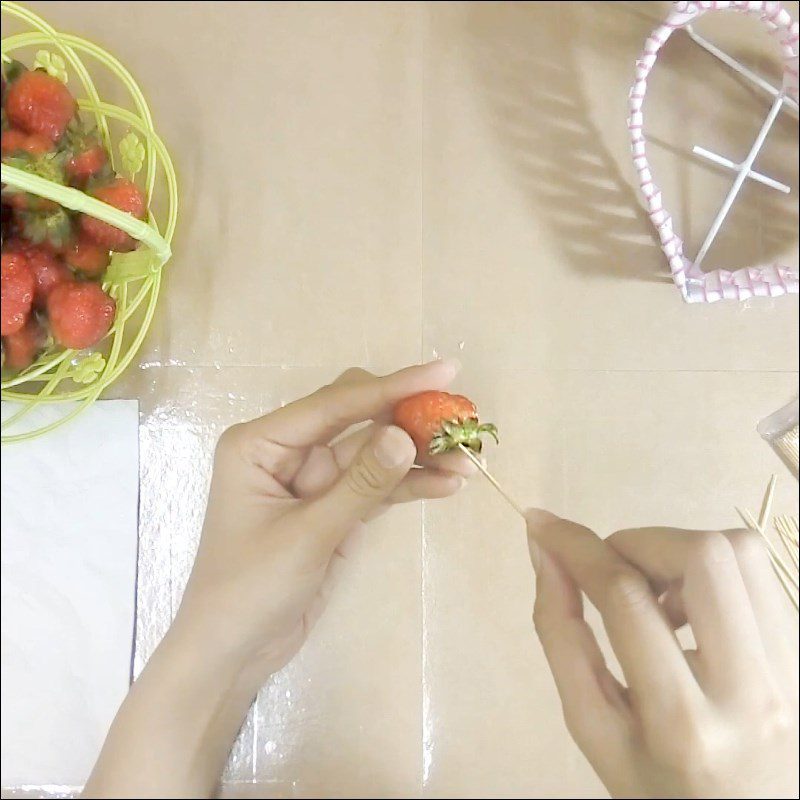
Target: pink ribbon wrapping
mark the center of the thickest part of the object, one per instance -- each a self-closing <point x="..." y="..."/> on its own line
<point x="695" y="285"/>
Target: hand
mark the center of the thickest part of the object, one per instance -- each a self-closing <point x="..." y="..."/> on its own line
<point x="718" y="721"/>
<point x="286" y="502"/>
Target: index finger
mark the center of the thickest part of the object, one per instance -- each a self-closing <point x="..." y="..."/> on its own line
<point x="332" y="409"/>
<point x="655" y="669"/>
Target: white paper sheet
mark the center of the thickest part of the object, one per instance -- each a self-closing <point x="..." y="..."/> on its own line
<point x="69" y="532"/>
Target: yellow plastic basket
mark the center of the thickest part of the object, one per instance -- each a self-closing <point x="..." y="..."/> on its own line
<point x="132" y="279"/>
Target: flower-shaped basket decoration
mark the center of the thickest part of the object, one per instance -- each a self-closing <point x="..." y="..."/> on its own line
<point x="132" y="279"/>
<point x="695" y="285"/>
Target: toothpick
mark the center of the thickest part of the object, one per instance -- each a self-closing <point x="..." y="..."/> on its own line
<point x="489" y="477"/>
<point x="784" y="532"/>
<point x="779" y="562"/>
<point x="785" y="576"/>
<point x="766" y="504"/>
<point x="790" y="527"/>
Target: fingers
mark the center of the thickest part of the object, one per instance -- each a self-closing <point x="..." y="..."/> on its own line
<point x="426" y="484"/>
<point x="714" y="597"/>
<point x="639" y="632"/>
<point x="354" y="397"/>
<point x="594" y="708"/>
<point x="774" y="616"/>
<point x="318" y="472"/>
<point x="456" y="463"/>
<point x="672" y="605"/>
<point x="371" y="478"/>
<point x="323" y="466"/>
<point x="420" y="484"/>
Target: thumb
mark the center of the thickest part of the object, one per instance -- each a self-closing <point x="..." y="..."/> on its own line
<point x="371" y="477"/>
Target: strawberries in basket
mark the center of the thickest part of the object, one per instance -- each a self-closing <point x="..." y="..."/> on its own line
<point x="54" y="260"/>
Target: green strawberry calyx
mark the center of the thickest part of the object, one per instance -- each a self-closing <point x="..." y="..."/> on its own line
<point x="49" y="166"/>
<point x="465" y="433"/>
<point x="53" y="227"/>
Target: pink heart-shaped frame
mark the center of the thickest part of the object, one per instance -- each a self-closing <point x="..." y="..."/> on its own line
<point x="697" y="286"/>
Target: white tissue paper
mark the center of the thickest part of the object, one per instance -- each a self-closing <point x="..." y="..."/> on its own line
<point x="69" y="532"/>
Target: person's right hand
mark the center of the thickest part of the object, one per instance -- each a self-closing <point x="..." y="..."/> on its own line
<point x="718" y="721"/>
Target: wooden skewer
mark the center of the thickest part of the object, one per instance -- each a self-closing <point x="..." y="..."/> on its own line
<point x="489" y="477"/>
<point x="783" y="527"/>
<point x="766" y="505"/>
<point x="790" y="527"/>
<point x="781" y="570"/>
<point x="779" y="561"/>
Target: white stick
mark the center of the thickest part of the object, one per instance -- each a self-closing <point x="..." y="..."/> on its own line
<point x="777" y="562"/>
<point x="489" y="477"/>
<point x="726" y="162"/>
<point x="740" y="179"/>
<point x="791" y="527"/>
<point x="792" y="595"/>
<point x="738" y="67"/>
<point x="766" y="504"/>
<point x="788" y="545"/>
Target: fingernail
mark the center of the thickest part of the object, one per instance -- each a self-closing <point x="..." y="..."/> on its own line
<point x="538" y="518"/>
<point x="469" y="467"/>
<point x="392" y="447"/>
<point x="453" y="365"/>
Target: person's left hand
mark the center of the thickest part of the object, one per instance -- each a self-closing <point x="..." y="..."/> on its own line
<point x="286" y="498"/>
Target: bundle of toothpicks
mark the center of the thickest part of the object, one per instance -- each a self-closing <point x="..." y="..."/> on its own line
<point x="783" y="552"/>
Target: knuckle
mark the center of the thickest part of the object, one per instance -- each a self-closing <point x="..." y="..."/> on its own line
<point x="686" y="750"/>
<point x="627" y="589"/>
<point x="768" y="705"/>
<point x="624" y="533"/>
<point x="781" y="720"/>
<point x="324" y="392"/>
<point x="711" y="547"/>
<point x="248" y="442"/>
<point x="352" y="375"/>
<point x="364" y="480"/>
<point x="747" y="545"/>
<point x="230" y="438"/>
<point x="543" y="621"/>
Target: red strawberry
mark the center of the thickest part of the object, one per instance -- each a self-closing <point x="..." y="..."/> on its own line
<point x="21" y="348"/>
<point x="80" y="314"/>
<point x="89" y="258"/>
<point x="124" y="195"/>
<point x="14" y="141"/>
<point x="47" y="270"/>
<point x="438" y="422"/>
<point x="87" y="163"/>
<point x="23" y="201"/>
<point x="39" y="103"/>
<point x="17" y="282"/>
<point x="86" y="156"/>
